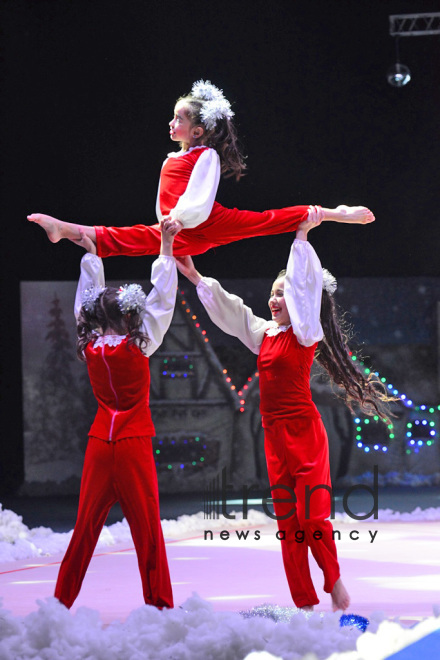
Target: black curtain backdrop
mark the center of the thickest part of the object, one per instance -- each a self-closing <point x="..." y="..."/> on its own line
<point x="89" y="88"/>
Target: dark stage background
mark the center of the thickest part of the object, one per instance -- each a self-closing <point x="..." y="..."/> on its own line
<point x="89" y="88"/>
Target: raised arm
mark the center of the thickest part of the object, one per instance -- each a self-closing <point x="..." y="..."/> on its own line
<point x="92" y="271"/>
<point x="162" y="298"/>
<point x="303" y="288"/>
<point x="226" y="310"/>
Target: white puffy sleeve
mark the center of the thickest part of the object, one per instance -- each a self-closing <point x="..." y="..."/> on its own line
<point x="303" y="291"/>
<point x="231" y="315"/>
<point x="160" y="302"/>
<point x="92" y="274"/>
<point x="196" y="203"/>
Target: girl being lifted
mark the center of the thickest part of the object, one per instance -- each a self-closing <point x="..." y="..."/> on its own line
<point x="203" y="125"/>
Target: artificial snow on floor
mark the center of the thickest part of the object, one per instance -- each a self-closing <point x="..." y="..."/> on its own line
<point x="232" y="577"/>
<point x="195" y="631"/>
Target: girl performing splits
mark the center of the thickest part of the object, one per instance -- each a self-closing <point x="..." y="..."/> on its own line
<point x="296" y="444"/>
<point x="189" y="179"/>
<point x="118" y="329"/>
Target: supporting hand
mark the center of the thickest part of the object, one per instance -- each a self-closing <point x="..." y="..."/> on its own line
<point x="315" y="217"/>
<point x="86" y="242"/>
<point x="168" y="231"/>
<point x="173" y="224"/>
<point x="186" y="266"/>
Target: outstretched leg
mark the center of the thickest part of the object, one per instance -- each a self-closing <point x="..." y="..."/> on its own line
<point x="222" y="227"/>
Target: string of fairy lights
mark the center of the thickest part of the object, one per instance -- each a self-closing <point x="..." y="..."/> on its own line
<point x="228" y="380"/>
<point x="421" y="425"/>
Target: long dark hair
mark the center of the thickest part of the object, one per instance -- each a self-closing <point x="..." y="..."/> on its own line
<point x="334" y="355"/>
<point x="106" y="314"/>
<point x="223" y="138"/>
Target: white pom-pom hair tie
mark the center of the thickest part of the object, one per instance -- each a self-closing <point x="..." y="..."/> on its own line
<point x="131" y="298"/>
<point x="329" y="282"/>
<point x="90" y="296"/>
<point x="214" y="105"/>
<point x="204" y="89"/>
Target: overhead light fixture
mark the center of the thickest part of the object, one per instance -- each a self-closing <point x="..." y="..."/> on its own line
<point x="398" y="75"/>
<point x="409" y="25"/>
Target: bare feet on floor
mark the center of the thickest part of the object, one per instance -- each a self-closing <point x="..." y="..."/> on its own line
<point x="340" y="597"/>
<point x="350" y="214"/>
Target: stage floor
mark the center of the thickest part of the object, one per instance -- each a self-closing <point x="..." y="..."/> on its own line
<point x="398" y="573"/>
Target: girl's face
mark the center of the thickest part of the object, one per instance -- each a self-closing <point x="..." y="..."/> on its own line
<point x="277" y="304"/>
<point x="181" y="128"/>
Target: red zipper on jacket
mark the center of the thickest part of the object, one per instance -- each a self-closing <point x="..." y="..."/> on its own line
<point x="114" y="392"/>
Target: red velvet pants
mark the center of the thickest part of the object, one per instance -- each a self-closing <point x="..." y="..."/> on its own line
<point x="223" y="226"/>
<point x="121" y="471"/>
<point x="297" y="456"/>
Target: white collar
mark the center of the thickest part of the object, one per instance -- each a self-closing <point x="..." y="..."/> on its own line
<point x="274" y="329"/>
<point x="109" y="340"/>
<point x="177" y="154"/>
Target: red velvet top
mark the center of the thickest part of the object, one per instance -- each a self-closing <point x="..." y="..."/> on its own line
<point x="120" y="378"/>
<point x="284" y="366"/>
<point x="174" y="178"/>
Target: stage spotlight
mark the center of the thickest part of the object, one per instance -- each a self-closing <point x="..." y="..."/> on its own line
<point x="398" y="75"/>
<point x="409" y="25"/>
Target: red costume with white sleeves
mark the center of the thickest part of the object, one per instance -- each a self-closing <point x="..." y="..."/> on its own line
<point x="187" y="189"/>
<point x="296" y="443"/>
<point x="119" y="463"/>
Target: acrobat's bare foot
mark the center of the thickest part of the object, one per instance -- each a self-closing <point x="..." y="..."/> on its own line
<point x="58" y="229"/>
<point x="358" y="215"/>
<point x="306" y="608"/>
<point x="340" y="597"/>
<point x="53" y="227"/>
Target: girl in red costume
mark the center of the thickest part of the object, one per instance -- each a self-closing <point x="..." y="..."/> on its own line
<point x="296" y="444"/>
<point x="189" y="179"/>
<point x="118" y="330"/>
